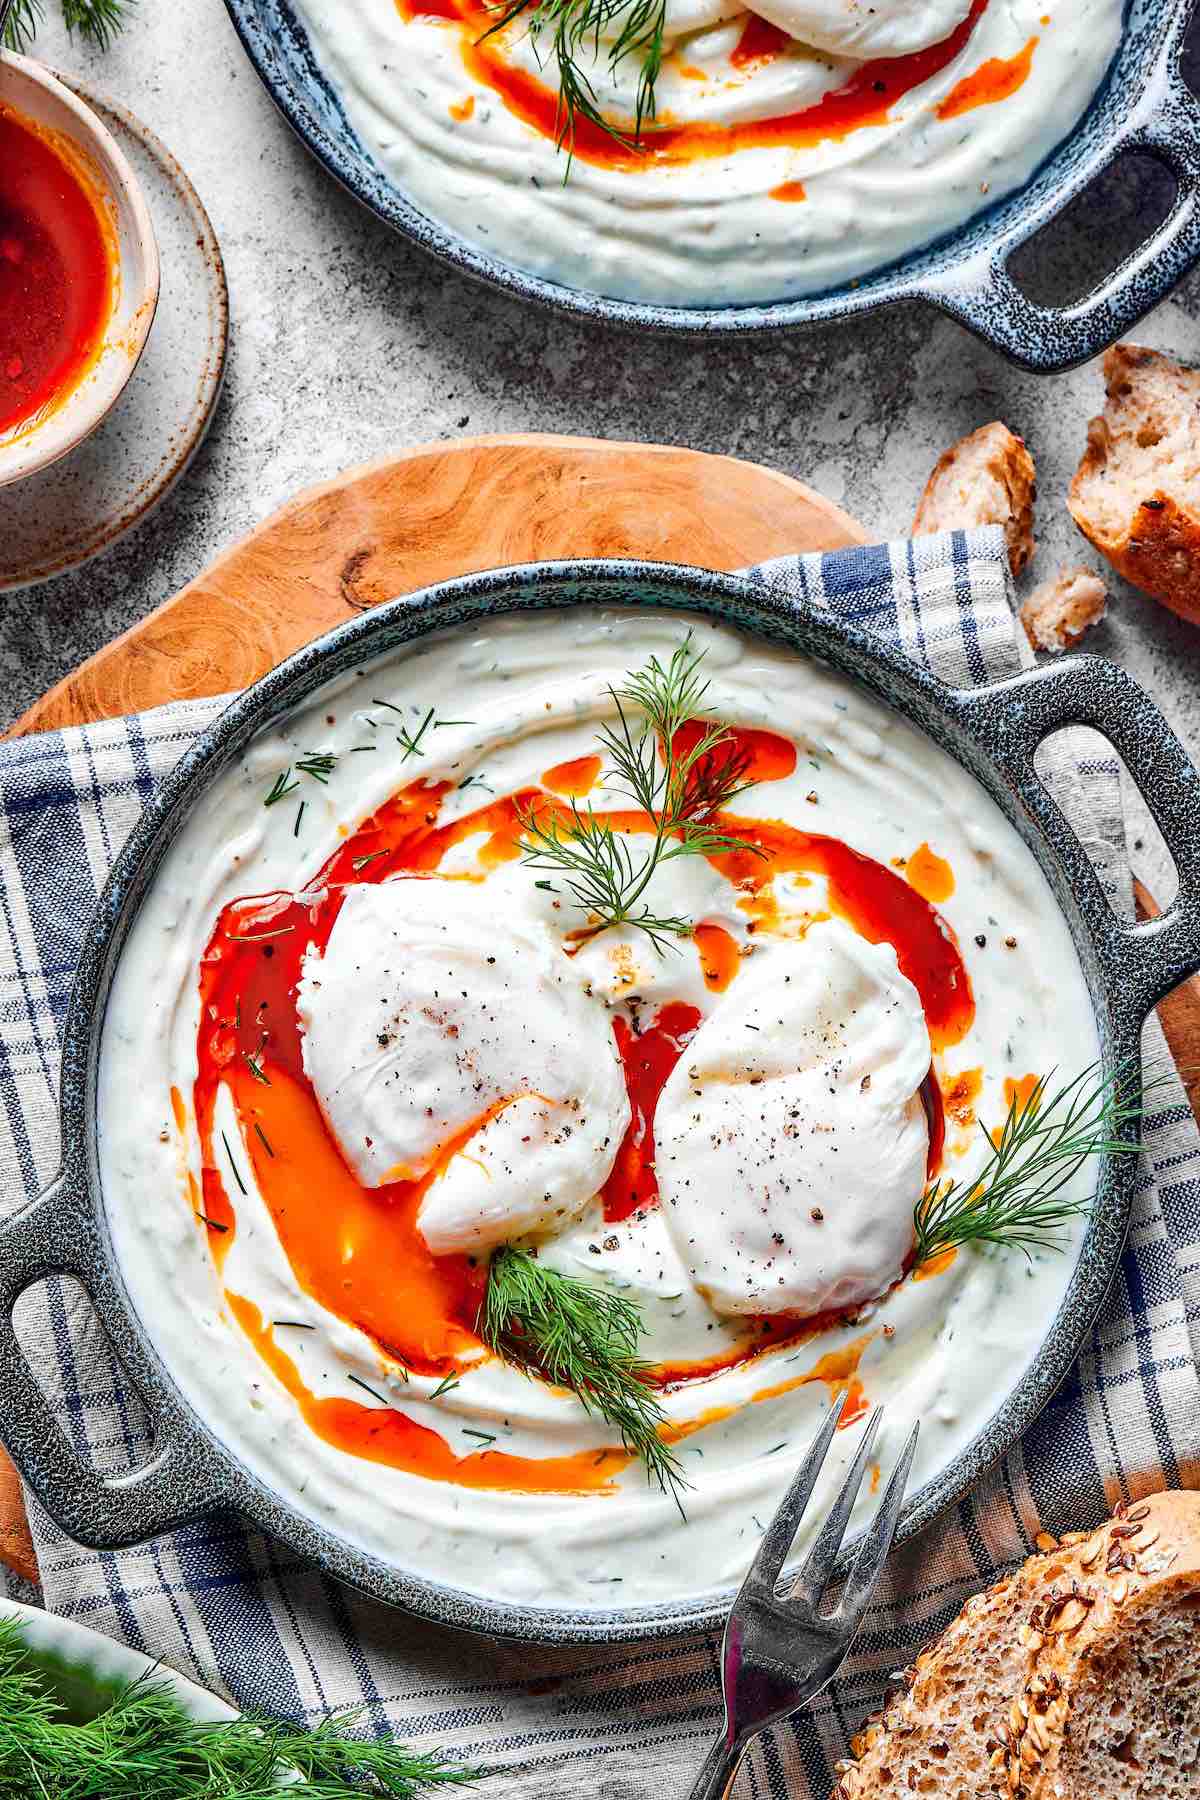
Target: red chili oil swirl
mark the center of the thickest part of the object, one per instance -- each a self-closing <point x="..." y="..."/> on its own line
<point x="648" y="1057"/>
<point x="357" y="1251"/>
<point x="865" y="99"/>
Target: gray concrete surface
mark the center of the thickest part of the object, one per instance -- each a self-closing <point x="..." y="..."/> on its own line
<point x="347" y="344"/>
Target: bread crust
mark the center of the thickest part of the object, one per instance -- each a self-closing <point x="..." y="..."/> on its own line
<point x="1064" y="1607"/>
<point x="987" y="478"/>
<point x="1119" y="501"/>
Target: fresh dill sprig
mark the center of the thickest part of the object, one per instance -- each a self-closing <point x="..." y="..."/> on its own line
<point x="281" y="787"/>
<point x="583" y="1338"/>
<point x="21" y="26"/>
<point x="606" y="872"/>
<point x="318" y="765"/>
<point x="578" y="26"/>
<point x="99" y="21"/>
<point x="144" y="1743"/>
<point x="1016" y="1200"/>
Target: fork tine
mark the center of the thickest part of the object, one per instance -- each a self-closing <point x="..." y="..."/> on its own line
<point x="878" y="1541"/>
<point x="777" y="1539"/>
<point x="818" y="1564"/>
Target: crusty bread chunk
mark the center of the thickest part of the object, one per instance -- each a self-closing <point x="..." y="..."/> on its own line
<point x="1059" y="611"/>
<point x="1136" y="493"/>
<point x="987" y="478"/>
<point x="1076" y="1678"/>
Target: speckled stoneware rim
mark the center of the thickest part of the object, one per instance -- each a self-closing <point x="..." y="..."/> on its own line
<point x="1144" y="105"/>
<point x="993" y="731"/>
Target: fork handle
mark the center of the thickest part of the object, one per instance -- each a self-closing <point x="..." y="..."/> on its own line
<point x="719" y="1769"/>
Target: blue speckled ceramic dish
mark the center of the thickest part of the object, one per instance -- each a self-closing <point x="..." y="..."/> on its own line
<point x="993" y="731"/>
<point x="1144" y="105"/>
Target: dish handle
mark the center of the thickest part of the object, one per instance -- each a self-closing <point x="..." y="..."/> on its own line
<point x="982" y="295"/>
<point x="1141" y="963"/>
<point x="53" y="1236"/>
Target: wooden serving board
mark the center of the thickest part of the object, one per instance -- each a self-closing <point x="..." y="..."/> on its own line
<point x="391" y="527"/>
<point x="394" y="526"/>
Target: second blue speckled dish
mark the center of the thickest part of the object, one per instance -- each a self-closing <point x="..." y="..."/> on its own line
<point x="1144" y="105"/>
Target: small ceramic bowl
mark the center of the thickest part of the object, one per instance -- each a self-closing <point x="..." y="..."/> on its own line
<point x="34" y="94"/>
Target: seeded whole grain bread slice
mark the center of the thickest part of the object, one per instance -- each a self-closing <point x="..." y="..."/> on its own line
<point x="1075" y="1678"/>
<point x="1136" y="493"/>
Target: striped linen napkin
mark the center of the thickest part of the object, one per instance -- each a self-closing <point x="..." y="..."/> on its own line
<point x="242" y="1614"/>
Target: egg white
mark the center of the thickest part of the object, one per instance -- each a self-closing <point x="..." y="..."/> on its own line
<point x="439" y="1019"/>
<point x="865" y="28"/>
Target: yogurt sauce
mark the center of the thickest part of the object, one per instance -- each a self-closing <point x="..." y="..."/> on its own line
<point x="779" y="169"/>
<point x="275" y="1336"/>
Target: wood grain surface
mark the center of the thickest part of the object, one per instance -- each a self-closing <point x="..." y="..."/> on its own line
<point x="1179" y="1014"/>
<point x="393" y="526"/>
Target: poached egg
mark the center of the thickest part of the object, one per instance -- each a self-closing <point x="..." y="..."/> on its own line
<point x="791" y="1136"/>
<point x="449" y="1039"/>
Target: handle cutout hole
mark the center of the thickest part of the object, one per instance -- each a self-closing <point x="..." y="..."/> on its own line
<point x="69" y="1355"/>
<point x="1114" y="215"/>
<point x="1189" y="56"/>
<point x="1082" y="769"/>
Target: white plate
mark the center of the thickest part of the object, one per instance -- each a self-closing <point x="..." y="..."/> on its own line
<point x="108" y="1664"/>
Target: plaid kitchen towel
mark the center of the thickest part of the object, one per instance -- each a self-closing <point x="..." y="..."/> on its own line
<point x="241" y="1613"/>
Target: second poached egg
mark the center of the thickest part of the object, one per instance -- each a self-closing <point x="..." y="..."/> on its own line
<point x="792" y="1138"/>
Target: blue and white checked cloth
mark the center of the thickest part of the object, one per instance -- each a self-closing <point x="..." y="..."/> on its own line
<point x="241" y="1613"/>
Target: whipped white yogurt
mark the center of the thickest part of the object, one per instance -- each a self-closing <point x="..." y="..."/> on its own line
<point x="223" y="1310"/>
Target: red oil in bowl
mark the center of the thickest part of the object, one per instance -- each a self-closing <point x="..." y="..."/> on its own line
<point x="56" y="272"/>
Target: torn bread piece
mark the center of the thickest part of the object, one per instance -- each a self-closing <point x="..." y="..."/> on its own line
<point x="1136" y="493"/>
<point x="1059" y="611"/>
<point x="987" y="478"/>
<point x="1076" y="1678"/>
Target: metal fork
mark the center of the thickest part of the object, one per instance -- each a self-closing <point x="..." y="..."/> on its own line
<point x="779" y="1652"/>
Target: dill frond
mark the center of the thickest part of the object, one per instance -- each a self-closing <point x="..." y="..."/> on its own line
<point x="606" y="872"/>
<point x="580" y="1337"/>
<point x="97" y="20"/>
<point x="1017" y="1200"/>
<point x="21" y="26"/>
<point x="561" y="30"/>
<point x="143" y="1743"/>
